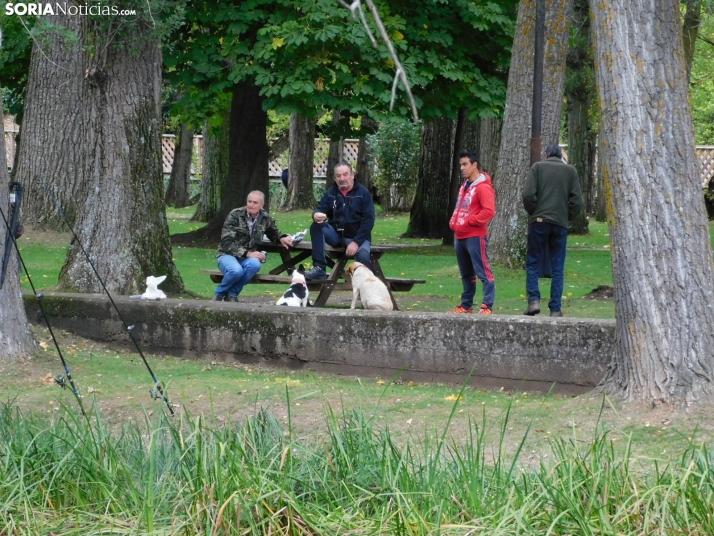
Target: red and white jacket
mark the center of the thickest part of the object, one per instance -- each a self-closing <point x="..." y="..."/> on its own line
<point x="475" y="207"/>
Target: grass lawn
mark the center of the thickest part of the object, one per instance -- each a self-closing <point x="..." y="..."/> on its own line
<point x="587" y="267"/>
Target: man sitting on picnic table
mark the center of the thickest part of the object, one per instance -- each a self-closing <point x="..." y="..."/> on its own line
<point x="237" y="257"/>
<point x="344" y="217"/>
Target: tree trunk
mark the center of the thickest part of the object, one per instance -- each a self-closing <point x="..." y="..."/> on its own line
<point x="364" y="168"/>
<point x="456" y="178"/>
<point x="302" y="155"/>
<point x="16" y="340"/>
<point x="54" y="110"/>
<point x="334" y="155"/>
<point x="690" y="29"/>
<point x="429" y="217"/>
<point x="490" y="143"/>
<point x="177" y="193"/>
<point x="247" y="161"/>
<point x="508" y="229"/>
<point x="661" y="254"/>
<point x="122" y="223"/>
<point x="580" y="94"/>
<point x="215" y="170"/>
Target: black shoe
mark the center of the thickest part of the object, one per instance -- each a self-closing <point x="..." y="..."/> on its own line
<point x="556" y="313"/>
<point x="315" y="274"/>
<point x="232" y="299"/>
<point x="533" y="308"/>
<point x="217" y="297"/>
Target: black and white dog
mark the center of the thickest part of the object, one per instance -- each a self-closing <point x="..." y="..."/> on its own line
<point x="297" y="294"/>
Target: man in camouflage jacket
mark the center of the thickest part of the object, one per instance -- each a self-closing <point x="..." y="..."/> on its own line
<point x="237" y="257"/>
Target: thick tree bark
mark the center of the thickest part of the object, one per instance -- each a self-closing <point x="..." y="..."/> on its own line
<point x="490" y="143"/>
<point x="580" y="95"/>
<point x="508" y="229"/>
<point x="429" y="217"/>
<point x="122" y="223"/>
<point x="302" y="155"/>
<point x="661" y="254"/>
<point x="363" y="173"/>
<point x="334" y="155"/>
<point x="215" y="170"/>
<point x="456" y="178"/>
<point x="601" y="206"/>
<point x="16" y="340"/>
<point x="54" y="109"/>
<point x="177" y="192"/>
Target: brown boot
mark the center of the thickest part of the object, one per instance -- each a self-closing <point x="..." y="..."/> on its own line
<point x="533" y="308"/>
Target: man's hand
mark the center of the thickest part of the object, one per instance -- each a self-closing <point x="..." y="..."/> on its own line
<point x="256" y="255"/>
<point x="286" y="241"/>
<point x="351" y="249"/>
<point x="319" y="217"/>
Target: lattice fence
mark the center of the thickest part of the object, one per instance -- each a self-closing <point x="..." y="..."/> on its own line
<point x="322" y="148"/>
<point x="705" y="154"/>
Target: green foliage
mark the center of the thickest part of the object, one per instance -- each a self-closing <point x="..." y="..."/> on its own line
<point x="702" y="81"/>
<point x="395" y="147"/>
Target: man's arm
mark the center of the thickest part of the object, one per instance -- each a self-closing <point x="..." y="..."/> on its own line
<point x="323" y="207"/>
<point x="530" y="191"/>
<point x="575" y="197"/>
<point x="487" y="200"/>
<point x="367" y="223"/>
<point x="275" y="235"/>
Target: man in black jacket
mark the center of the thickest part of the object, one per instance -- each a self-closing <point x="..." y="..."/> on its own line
<point x="343" y="217"/>
<point x="552" y="198"/>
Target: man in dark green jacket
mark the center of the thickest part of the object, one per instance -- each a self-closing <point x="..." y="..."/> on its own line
<point x="237" y="257"/>
<point x="552" y="198"/>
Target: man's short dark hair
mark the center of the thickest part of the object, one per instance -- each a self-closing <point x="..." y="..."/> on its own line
<point x="473" y="157"/>
<point x="553" y="150"/>
<point x="345" y="163"/>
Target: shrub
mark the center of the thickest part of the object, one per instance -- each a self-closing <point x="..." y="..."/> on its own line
<point x="396" y="163"/>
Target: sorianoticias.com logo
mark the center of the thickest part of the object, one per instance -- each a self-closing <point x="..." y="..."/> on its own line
<point x="64" y="8"/>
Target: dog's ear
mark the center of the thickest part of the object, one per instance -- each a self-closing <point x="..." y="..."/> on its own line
<point x="301" y="269"/>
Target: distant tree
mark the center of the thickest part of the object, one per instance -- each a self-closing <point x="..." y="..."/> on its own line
<point x="661" y="253"/>
<point x="302" y="152"/>
<point x="215" y="168"/>
<point x="177" y="192"/>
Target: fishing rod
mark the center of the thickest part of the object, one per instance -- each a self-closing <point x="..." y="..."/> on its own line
<point x="157" y="392"/>
<point x="62" y="381"/>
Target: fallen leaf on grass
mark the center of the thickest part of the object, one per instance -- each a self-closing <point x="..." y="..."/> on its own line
<point x="47" y="379"/>
<point x="453" y="397"/>
<point x="381" y="382"/>
<point x="44" y="345"/>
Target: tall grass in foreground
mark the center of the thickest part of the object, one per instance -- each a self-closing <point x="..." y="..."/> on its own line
<point x="73" y="476"/>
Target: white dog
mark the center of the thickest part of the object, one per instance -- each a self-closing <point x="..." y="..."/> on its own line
<point x="368" y="288"/>
<point x="152" y="288"/>
<point x="297" y="294"/>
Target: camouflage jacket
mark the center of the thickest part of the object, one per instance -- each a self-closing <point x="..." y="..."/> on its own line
<point x="236" y="238"/>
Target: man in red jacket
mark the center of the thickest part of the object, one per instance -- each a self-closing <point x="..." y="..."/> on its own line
<point x="475" y="207"/>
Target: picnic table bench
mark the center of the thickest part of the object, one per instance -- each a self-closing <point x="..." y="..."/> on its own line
<point x="336" y="260"/>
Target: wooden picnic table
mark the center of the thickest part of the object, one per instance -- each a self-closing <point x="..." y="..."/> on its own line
<point x="336" y="260"/>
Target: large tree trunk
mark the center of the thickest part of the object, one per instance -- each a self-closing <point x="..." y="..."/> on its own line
<point x="429" y="217"/>
<point x="456" y="178"/>
<point x="177" y="193"/>
<point x="122" y="224"/>
<point x="334" y="154"/>
<point x="302" y="155"/>
<point x="508" y="228"/>
<point x="490" y="143"/>
<point x="16" y="340"/>
<point x="54" y="108"/>
<point x="661" y="254"/>
<point x="580" y="95"/>
<point x="215" y="170"/>
<point x="247" y="161"/>
<point x="364" y="168"/>
<point x="601" y="207"/>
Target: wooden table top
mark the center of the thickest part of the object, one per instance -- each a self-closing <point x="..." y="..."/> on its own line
<point x="307" y="245"/>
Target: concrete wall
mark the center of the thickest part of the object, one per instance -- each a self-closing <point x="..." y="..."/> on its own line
<point x="511" y="351"/>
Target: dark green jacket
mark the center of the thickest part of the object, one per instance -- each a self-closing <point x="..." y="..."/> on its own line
<point x="236" y="238"/>
<point x="552" y="192"/>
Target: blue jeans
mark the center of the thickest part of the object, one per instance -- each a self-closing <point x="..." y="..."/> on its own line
<point x="542" y="235"/>
<point x="472" y="256"/>
<point x="236" y="274"/>
<point x="321" y="233"/>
